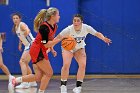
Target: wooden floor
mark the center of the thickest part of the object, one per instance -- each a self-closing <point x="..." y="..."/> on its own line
<point x="98" y="85"/>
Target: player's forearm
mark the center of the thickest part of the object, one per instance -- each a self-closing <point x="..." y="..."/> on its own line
<point x="52" y="43"/>
<point x="51" y="48"/>
<point x="20" y="43"/>
<point x="100" y="35"/>
<point x="0" y="42"/>
<point x="56" y="40"/>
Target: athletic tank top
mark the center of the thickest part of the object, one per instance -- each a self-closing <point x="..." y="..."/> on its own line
<point x="25" y="40"/>
<point x="38" y="40"/>
<point x="80" y="36"/>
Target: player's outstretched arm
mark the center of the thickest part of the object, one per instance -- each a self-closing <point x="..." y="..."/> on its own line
<point x="102" y="37"/>
<point x="52" y="43"/>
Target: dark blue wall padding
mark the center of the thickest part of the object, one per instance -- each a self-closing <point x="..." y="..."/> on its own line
<point x="119" y="20"/>
<point x="29" y="10"/>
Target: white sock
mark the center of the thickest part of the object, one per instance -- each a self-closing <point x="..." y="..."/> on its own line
<point x="63" y="80"/>
<point x="10" y="79"/>
<point x="80" y="80"/>
<point x="19" y="79"/>
<point x="41" y="91"/>
<point x="10" y="75"/>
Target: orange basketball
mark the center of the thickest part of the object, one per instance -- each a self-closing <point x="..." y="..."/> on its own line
<point x="68" y="43"/>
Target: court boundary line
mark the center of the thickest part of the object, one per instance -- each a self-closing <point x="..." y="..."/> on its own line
<point x="4" y="77"/>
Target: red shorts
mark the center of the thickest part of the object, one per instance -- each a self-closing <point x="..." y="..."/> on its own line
<point x="37" y="53"/>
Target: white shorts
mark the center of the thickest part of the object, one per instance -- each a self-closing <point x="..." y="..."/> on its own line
<point x="27" y="47"/>
<point x="74" y="50"/>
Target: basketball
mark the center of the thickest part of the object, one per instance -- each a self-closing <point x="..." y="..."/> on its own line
<point x="68" y="43"/>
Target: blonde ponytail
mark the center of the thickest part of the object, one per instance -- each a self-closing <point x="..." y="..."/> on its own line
<point x="43" y="15"/>
<point x="39" y="19"/>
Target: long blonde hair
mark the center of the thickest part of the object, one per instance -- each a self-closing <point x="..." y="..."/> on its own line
<point x="44" y="15"/>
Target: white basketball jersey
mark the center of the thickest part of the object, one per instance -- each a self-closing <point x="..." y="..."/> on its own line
<point x="78" y="35"/>
<point x="25" y="40"/>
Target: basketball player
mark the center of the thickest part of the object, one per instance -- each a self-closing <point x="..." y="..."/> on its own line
<point x="25" y="38"/>
<point x="38" y="51"/>
<point x="77" y="30"/>
<point x="2" y="66"/>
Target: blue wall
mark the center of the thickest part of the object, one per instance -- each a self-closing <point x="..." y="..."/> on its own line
<point x="117" y="19"/>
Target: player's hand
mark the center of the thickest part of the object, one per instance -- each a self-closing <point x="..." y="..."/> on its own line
<point x="1" y="49"/>
<point x="3" y="36"/>
<point x="20" y="48"/>
<point x="107" y="40"/>
<point x="54" y="53"/>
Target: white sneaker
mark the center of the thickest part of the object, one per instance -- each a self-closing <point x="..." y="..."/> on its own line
<point x="11" y="85"/>
<point x="41" y="91"/>
<point x="63" y="89"/>
<point x="77" y="89"/>
<point x="28" y="90"/>
<point x="32" y="84"/>
<point x="23" y="85"/>
<point x="10" y="78"/>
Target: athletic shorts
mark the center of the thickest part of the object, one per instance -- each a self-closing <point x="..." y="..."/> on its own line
<point x="26" y="48"/>
<point x="74" y="50"/>
<point x="37" y="54"/>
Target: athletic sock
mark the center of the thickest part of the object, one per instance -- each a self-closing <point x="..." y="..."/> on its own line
<point x="79" y="83"/>
<point x="63" y="82"/>
<point x="41" y="91"/>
